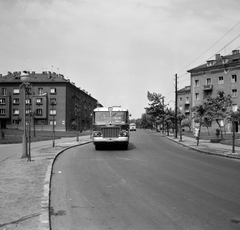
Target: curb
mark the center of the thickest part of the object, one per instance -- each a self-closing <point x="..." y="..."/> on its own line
<point x="203" y="151"/>
<point x="45" y="218"/>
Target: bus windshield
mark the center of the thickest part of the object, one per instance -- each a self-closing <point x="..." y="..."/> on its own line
<point x="103" y="117"/>
<point x="119" y="117"/>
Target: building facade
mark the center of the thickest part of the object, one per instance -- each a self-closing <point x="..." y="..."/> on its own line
<point x="220" y="74"/>
<point x="50" y="100"/>
<point x="184" y="101"/>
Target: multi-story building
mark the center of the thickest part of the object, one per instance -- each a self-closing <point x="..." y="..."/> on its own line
<point x="220" y="74"/>
<point x="51" y="100"/>
<point x="183" y="101"/>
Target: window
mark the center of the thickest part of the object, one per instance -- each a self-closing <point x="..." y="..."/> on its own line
<point x="2" y="112"/>
<point x="28" y="91"/>
<point x="2" y="101"/>
<point x="207" y="123"/>
<point x="15" y="121"/>
<point x="15" y="112"/>
<point x="16" y="91"/>
<point x="197" y="96"/>
<point x="234" y="93"/>
<point x="53" y="91"/>
<point x="39" y="101"/>
<point x="53" y="122"/>
<point x="39" y="112"/>
<point x="28" y="111"/>
<point x="208" y="81"/>
<point x="40" y="91"/>
<point x="220" y="80"/>
<point x="234" y="78"/>
<point x="234" y="108"/>
<point x="28" y="101"/>
<point x="53" y="112"/>
<point x="180" y="107"/>
<point x="53" y="101"/>
<point x="180" y="98"/>
<point x="4" y="92"/>
<point x="196" y="83"/>
<point x="187" y="99"/>
<point x="16" y="101"/>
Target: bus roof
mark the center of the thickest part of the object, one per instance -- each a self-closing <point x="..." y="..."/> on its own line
<point x="113" y="108"/>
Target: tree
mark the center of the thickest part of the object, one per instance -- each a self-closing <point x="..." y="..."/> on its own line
<point x="186" y="123"/>
<point x="234" y="117"/>
<point x="146" y="121"/>
<point x="199" y="116"/>
<point x="218" y="108"/>
<point x="180" y="117"/>
<point x="169" y="119"/>
<point x="18" y="121"/>
<point x="156" y="107"/>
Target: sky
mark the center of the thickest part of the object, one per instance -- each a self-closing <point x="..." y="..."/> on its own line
<point x="117" y="50"/>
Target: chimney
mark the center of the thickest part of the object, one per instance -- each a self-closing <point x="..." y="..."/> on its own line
<point x="235" y="52"/>
<point x="217" y="57"/>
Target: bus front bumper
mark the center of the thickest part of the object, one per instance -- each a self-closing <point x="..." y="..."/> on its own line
<point x="110" y="140"/>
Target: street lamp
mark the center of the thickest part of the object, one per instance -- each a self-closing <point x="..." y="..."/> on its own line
<point x="175" y="115"/>
<point x="24" y="85"/>
<point x="53" y="125"/>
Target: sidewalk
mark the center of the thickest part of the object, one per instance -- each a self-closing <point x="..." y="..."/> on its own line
<point x="24" y="185"/>
<point x="207" y="147"/>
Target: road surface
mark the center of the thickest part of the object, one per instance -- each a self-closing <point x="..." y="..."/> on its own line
<point x="156" y="184"/>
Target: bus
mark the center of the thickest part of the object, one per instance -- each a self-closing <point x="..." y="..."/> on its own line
<point x="132" y="127"/>
<point x="110" y="126"/>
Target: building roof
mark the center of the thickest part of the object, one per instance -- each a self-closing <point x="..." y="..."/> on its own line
<point x="34" y="77"/>
<point x="184" y="90"/>
<point x="44" y="77"/>
<point x="232" y="59"/>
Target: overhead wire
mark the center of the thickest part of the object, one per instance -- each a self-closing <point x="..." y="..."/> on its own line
<point x="211" y="46"/>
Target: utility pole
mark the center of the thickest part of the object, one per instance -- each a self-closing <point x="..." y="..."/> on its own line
<point x="163" y="116"/>
<point x="176" y="121"/>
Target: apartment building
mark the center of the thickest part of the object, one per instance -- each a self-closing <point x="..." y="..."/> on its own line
<point x="50" y="100"/>
<point x="220" y="74"/>
<point x="183" y="100"/>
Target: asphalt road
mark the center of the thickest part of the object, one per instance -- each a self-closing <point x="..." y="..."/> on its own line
<point x="156" y="184"/>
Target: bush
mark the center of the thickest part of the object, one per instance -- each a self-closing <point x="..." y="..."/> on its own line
<point x="217" y="132"/>
<point x="2" y="134"/>
<point x="215" y="140"/>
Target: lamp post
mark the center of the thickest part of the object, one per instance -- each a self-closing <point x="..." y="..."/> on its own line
<point x="175" y="116"/>
<point x="53" y="125"/>
<point x="24" y="79"/>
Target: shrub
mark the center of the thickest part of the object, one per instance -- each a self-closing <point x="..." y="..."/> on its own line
<point x="215" y="140"/>
<point x="217" y="132"/>
<point x="2" y="134"/>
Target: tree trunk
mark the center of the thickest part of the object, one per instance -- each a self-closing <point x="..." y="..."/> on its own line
<point x="198" y="136"/>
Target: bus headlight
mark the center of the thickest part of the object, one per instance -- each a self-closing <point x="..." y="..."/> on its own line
<point x="123" y="133"/>
<point x="97" y="134"/>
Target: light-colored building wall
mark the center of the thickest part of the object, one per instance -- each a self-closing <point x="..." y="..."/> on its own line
<point x="220" y="74"/>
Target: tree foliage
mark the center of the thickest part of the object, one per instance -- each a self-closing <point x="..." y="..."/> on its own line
<point x="218" y="108"/>
<point x="147" y="121"/>
<point x="213" y="109"/>
<point x="156" y="106"/>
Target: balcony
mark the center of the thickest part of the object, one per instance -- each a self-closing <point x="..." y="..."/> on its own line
<point x="207" y="87"/>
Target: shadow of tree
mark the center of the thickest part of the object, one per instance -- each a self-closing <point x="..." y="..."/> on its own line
<point x="22" y="219"/>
